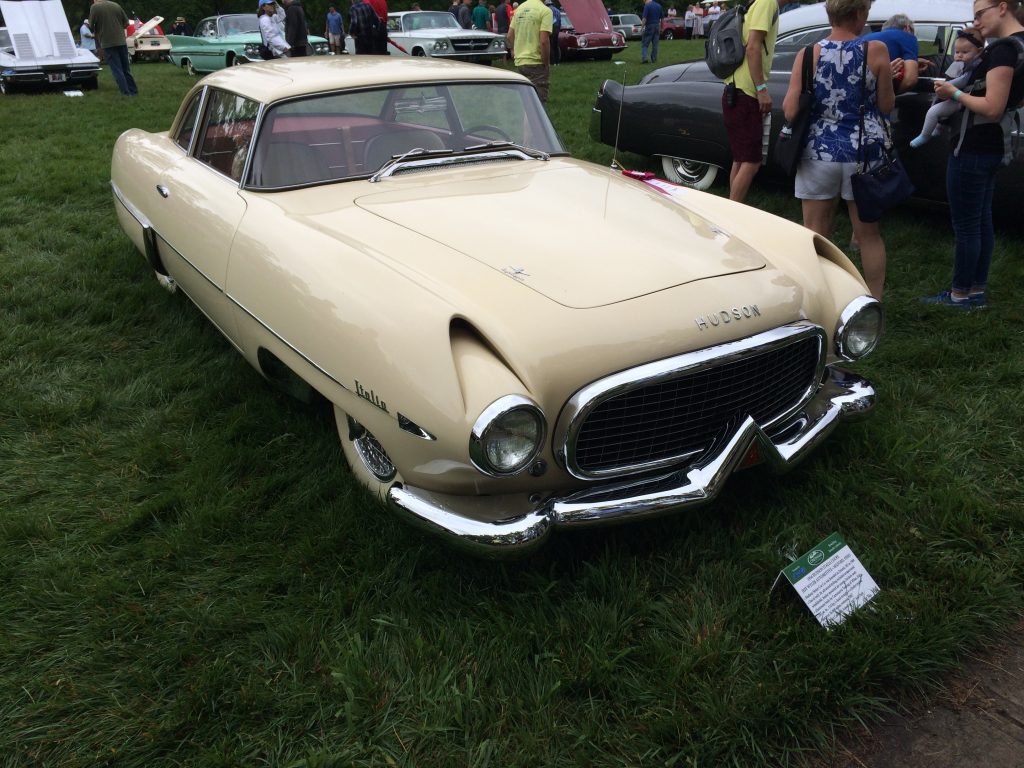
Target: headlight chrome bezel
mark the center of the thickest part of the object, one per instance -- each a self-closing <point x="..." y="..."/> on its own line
<point x="492" y="415"/>
<point x="856" y="311"/>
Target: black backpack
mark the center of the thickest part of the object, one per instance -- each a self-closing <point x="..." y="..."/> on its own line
<point x="724" y="50"/>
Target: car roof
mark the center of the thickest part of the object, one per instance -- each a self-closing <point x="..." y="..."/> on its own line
<point x="268" y="81"/>
<point x="948" y="11"/>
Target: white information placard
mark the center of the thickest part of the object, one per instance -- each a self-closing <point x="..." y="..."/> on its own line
<point x="831" y="580"/>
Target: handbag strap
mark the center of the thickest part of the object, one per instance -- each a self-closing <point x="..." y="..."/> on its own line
<point x="862" y="152"/>
<point x="807" y="76"/>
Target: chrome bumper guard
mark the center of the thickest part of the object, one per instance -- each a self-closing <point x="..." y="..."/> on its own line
<point x="843" y="395"/>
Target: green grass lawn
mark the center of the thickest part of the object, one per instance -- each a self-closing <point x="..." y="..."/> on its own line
<point x="189" y="575"/>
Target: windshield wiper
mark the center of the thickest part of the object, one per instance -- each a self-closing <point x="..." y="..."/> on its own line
<point x="530" y="151"/>
<point x="416" y="152"/>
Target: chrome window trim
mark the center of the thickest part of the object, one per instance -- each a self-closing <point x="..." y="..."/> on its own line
<point x="176" y="127"/>
<point x="851" y="310"/>
<point x="494" y="411"/>
<point x="585" y="400"/>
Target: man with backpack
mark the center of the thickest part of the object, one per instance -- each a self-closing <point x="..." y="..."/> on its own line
<point x="746" y="101"/>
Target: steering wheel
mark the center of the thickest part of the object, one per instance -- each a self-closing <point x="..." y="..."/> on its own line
<point x="485" y="127"/>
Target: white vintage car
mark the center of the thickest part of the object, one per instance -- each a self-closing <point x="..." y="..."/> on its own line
<point x="438" y="34"/>
<point x="492" y="384"/>
<point x="146" y="42"/>
<point x="37" y="50"/>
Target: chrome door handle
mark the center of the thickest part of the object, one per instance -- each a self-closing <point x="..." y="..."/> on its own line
<point x="162" y="190"/>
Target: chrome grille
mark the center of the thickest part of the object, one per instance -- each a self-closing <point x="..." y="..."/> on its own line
<point x="473" y="45"/>
<point x="654" y="421"/>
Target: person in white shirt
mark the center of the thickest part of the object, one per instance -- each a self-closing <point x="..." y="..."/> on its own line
<point x="271" y="23"/>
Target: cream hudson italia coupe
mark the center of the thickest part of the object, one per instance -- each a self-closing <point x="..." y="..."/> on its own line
<point x="389" y="233"/>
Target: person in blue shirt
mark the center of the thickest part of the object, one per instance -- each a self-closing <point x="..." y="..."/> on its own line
<point x="556" y="27"/>
<point x="335" y="30"/>
<point x="898" y="35"/>
<point x="652" y="30"/>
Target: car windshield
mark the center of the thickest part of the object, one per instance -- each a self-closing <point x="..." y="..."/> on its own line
<point x="566" y="24"/>
<point x="339" y="136"/>
<point x="429" y="20"/>
<point x="238" y="24"/>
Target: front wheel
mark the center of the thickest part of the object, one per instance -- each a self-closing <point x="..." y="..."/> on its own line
<point x="689" y="173"/>
<point x="187" y="64"/>
<point x="418" y="52"/>
<point x="669" y="35"/>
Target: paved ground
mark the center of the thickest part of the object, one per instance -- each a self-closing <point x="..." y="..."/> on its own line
<point x="976" y="722"/>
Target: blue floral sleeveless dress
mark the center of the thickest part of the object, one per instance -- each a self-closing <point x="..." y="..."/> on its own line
<point x="835" y="128"/>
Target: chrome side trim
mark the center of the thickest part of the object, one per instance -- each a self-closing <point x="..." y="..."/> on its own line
<point x="408" y="425"/>
<point x="526" y="524"/>
<point x="135" y="212"/>
<point x="287" y="343"/>
<point x="584" y="401"/>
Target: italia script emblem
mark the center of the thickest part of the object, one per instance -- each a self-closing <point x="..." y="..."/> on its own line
<point x="725" y="316"/>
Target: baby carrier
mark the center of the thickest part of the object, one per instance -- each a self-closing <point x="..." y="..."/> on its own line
<point x="1009" y="121"/>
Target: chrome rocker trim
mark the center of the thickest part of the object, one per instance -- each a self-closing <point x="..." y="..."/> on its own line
<point x="843" y="395"/>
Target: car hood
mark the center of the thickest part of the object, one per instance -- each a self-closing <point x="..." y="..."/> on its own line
<point x="588" y="15"/>
<point x="574" y="226"/>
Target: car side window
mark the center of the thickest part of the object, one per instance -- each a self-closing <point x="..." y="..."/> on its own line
<point x="227" y="133"/>
<point x="187" y="126"/>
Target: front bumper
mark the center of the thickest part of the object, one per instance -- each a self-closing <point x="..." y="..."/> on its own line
<point x="843" y="395"/>
<point x="41" y="76"/>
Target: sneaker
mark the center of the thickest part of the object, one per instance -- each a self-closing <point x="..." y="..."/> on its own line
<point x="979" y="300"/>
<point x="945" y="299"/>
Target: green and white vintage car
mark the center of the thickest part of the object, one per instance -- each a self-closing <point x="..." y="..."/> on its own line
<point x="224" y="41"/>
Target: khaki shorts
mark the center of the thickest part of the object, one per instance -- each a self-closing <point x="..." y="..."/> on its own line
<point x="823" y="180"/>
<point x="334" y="40"/>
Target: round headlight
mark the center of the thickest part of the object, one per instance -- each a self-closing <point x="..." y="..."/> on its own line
<point x="508" y="436"/>
<point x="859" y="328"/>
<point x="582" y="42"/>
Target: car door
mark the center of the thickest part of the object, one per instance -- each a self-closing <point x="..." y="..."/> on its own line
<point x="199" y="206"/>
<point x="208" y="55"/>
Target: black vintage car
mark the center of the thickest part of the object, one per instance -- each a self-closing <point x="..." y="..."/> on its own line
<point x="675" y="112"/>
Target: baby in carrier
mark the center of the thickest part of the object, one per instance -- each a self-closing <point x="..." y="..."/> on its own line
<point x="967" y="53"/>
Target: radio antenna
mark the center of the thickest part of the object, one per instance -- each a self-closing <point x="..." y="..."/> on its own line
<point x="618" y="123"/>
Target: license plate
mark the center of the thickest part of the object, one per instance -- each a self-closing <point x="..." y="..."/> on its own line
<point x="57" y="77"/>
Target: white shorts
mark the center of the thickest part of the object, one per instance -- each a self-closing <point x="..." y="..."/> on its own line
<point x="823" y="180"/>
<point x="334" y="40"/>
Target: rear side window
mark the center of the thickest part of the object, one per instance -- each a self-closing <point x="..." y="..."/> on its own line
<point x="187" y="126"/>
<point x="227" y="133"/>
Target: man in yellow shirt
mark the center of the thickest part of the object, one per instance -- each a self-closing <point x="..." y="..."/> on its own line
<point x="529" y="39"/>
<point x="746" y="99"/>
